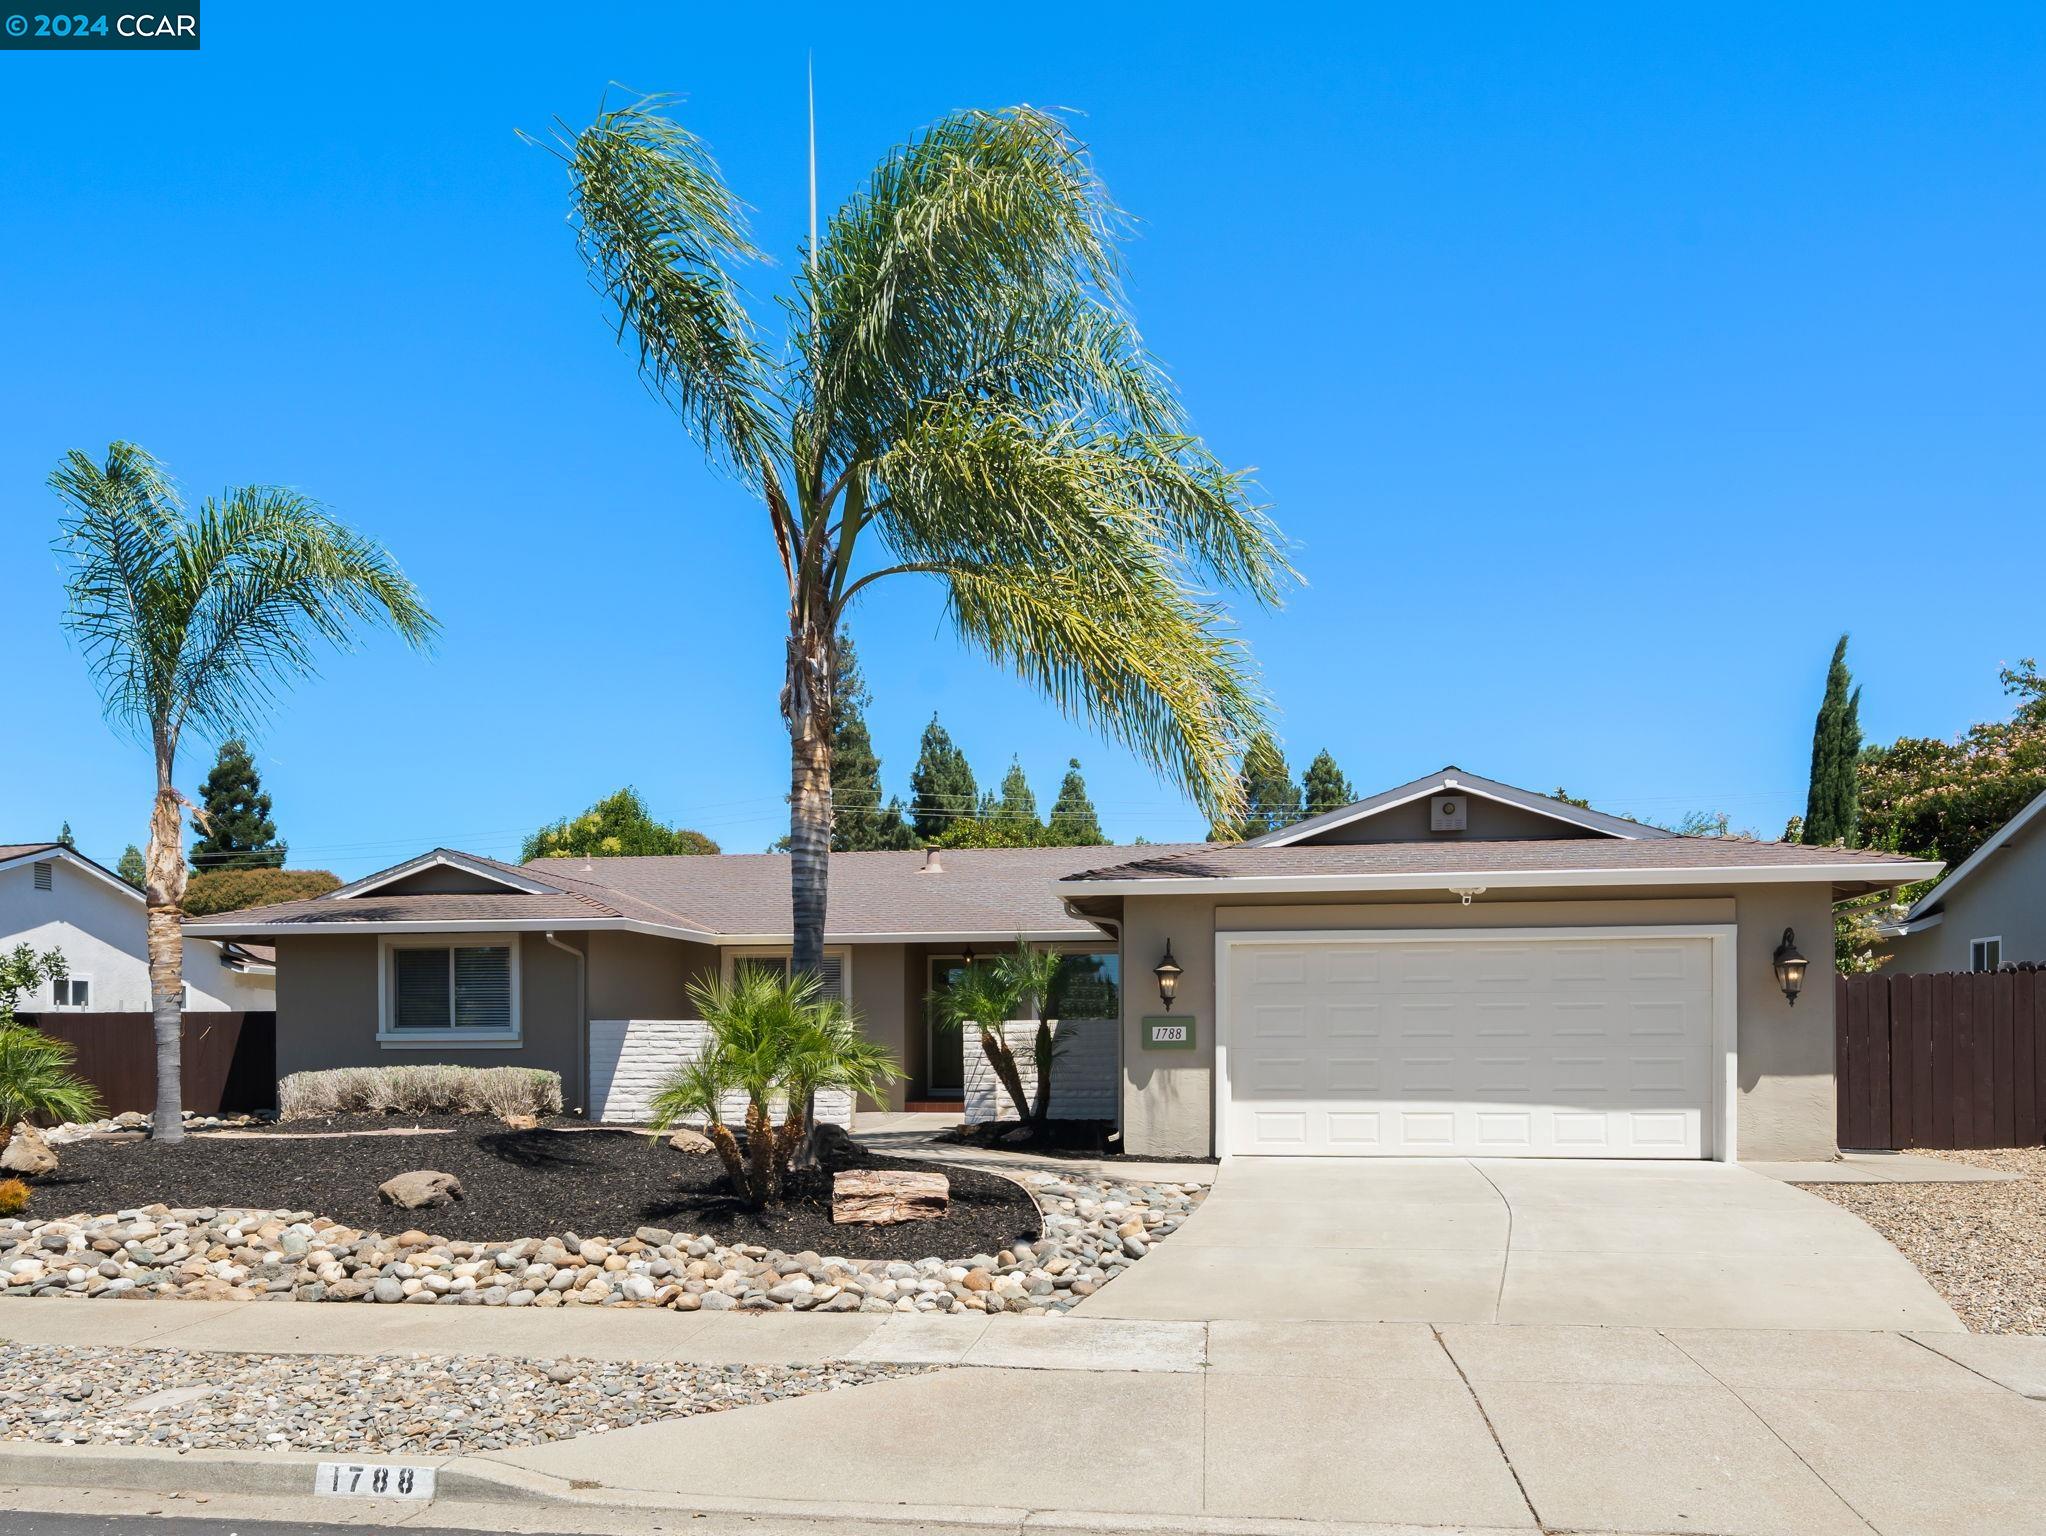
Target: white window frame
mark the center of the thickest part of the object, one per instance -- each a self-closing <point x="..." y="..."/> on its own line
<point x="1975" y="948"/>
<point x="728" y="965"/>
<point x="66" y="983"/>
<point x="392" y="1038"/>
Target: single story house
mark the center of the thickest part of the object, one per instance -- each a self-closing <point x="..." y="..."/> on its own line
<point x="1988" y="913"/>
<point x="1451" y="967"/>
<point x="53" y="897"/>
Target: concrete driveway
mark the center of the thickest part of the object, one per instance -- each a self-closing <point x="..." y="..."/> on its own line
<point x="1633" y="1244"/>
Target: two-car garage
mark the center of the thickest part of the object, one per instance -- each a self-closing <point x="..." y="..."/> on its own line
<point x="1503" y="1043"/>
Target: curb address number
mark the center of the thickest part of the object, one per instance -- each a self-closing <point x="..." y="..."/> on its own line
<point x="373" y="1480"/>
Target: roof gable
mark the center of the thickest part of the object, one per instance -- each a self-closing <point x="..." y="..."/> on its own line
<point x="1400" y="815"/>
<point x="440" y="872"/>
<point x="19" y="855"/>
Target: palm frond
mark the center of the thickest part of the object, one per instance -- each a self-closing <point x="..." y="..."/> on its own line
<point x="660" y="231"/>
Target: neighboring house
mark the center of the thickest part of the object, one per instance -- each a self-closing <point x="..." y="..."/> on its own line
<point x="1988" y="913"/>
<point x="52" y="897"/>
<point x="1452" y="967"/>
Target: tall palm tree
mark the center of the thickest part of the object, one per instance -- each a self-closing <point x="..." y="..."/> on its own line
<point x="963" y="396"/>
<point x="198" y="621"/>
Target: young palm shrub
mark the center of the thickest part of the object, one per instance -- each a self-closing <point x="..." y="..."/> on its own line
<point x="984" y="997"/>
<point x="1036" y="973"/>
<point x="36" y="1080"/>
<point x="775" y="1042"/>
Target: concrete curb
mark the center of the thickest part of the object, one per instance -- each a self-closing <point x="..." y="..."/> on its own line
<point x="478" y="1481"/>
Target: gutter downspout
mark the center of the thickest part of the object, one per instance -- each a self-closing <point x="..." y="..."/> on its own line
<point x="582" y="1018"/>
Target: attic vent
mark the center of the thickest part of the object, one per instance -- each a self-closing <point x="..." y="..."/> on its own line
<point x="932" y="864"/>
<point x="1448" y="813"/>
<point x="42" y="876"/>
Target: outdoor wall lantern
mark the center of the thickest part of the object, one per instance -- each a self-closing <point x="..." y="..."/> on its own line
<point x="966" y="954"/>
<point x="1790" y="967"/>
<point x="1167" y="972"/>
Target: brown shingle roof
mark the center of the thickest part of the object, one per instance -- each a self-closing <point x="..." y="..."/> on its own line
<point x="1226" y="861"/>
<point x="23" y="850"/>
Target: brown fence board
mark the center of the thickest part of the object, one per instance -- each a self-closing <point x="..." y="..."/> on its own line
<point x="1941" y="1060"/>
<point x="229" y="1059"/>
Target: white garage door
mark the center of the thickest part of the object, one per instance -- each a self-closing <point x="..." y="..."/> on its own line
<point x="1467" y="1047"/>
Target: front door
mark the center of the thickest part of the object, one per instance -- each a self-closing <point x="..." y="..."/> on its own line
<point x="945" y="1058"/>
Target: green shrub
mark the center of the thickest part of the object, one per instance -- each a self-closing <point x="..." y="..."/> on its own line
<point x="420" y="1090"/>
<point x="229" y="890"/>
<point x="13" y="1197"/>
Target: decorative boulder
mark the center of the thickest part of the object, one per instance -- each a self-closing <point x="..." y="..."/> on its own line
<point x="27" y="1152"/>
<point x="871" y="1197"/>
<point x="834" y="1139"/>
<point x="693" y="1142"/>
<point x="420" y="1188"/>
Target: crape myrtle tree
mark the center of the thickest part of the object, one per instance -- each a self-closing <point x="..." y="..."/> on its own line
<point x="197" y="621"/>
<point x="961" y="396"/>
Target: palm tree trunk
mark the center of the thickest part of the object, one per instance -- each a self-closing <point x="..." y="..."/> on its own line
<point x="164" y="891"/>
<point x="806" y="704"/>
<point x="1040" y="1111"/>
<point x="1003" y="1060"/>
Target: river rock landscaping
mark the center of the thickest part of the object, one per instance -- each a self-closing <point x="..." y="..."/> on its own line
<point x="424" y="1403"/>
<point x="1039" y="1244"/>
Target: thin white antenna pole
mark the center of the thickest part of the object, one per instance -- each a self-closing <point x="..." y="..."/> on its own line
<point x="813" y="184"/>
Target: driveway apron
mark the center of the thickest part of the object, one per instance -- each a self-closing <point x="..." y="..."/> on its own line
<point x="1453" y="1240"/>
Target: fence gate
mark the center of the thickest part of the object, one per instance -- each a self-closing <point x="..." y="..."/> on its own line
<point x="230" y="1059"/>
<point x="1951" y="1059"/>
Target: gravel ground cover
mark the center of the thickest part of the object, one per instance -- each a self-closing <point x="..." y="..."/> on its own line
<point x="1981" y="1246"/>
<point x="1093" y="1230"/>
<point x="382" y="1404"/>
<point x="558" y="1178"/>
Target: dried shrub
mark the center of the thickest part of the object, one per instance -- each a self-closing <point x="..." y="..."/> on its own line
<point x="13" y="1197"/>
<point x="430" y="1089"/>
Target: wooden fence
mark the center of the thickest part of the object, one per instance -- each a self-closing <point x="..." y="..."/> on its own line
<point x="230" y="1059"/>
<point x="1942" y="1060"/>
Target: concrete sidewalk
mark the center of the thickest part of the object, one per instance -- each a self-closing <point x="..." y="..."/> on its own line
<point x="1260" y="1427"/>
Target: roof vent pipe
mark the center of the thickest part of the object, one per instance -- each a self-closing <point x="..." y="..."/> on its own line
<point x="932" y="866"/>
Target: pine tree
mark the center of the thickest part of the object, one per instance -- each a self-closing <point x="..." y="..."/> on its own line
<point x="1323" y="787"/>
<point x="1018" y="804"/>
<point x="1271" y="799"/>
<point x="941" y="790"/>
<point x="238" y="831"/>
<point x="1832" y="808"/>
<point x="65" y="839"/>
<point x="131" y="868"/>
<point x="1073" y="823"/>
<point x="859" y="821"/>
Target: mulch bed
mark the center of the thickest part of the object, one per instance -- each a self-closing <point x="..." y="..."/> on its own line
<point x="598" y="1183"/>
<point x="1075" y="1140"/>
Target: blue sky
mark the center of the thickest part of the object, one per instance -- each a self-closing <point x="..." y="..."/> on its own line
<point x="1604" y="366"/>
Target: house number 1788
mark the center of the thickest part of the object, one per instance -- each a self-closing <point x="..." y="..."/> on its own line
<point x="373" y="1480"/>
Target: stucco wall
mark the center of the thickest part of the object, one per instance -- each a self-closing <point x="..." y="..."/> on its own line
<point x="1483" y="819"/>
<point x="327" y="1012"/>
<point x="1786" y="1105"/>
<point x="2004" y="897"/>
<point x="103" y="935"/>
<point x="644" y="976"/>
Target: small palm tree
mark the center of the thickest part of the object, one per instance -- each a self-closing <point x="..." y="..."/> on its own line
<point x="196" y="621"/>
<point x="775" y="1043"/>
<point x="1036" y="973"/>
<point x="962" y="396"/>
<point x="983" y="997"/>
<point x="36" y="1080"/>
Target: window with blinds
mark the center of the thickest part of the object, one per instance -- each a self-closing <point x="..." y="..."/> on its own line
<point x="832" y="971"/>
<point x="464" y="987"/>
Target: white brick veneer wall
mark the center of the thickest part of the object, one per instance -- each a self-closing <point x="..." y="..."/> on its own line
<point x="1085" y="1078"/>
<point x="631" y="1058"/>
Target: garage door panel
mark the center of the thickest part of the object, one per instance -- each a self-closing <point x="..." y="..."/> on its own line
<point x="1524" y="1048"/>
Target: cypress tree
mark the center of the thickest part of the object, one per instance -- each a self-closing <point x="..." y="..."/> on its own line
<point x="1832" y="806"/>
<point x="1271" y="799"/>
<point x="131" y="868"/>
<point x="239" y="833"/>
<point x="65" y="839"/>
<point x="1073" y="823"/>
<point x="1017" y="807"/>
<point x="859" y="821"/>
<point x="941" y="789"/>
<point x="1323" y="787"/>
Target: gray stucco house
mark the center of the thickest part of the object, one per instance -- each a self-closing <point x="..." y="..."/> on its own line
<point x="1988" y="913"/>
<point x="1451" y="967"/>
